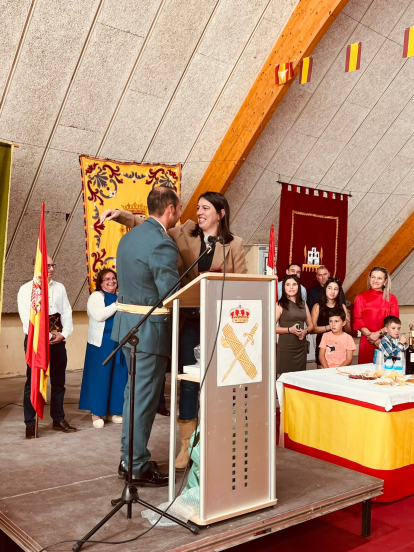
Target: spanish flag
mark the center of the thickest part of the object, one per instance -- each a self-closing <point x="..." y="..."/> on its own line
<point x="305" y="75"/>
<point x="284" y="72"/>
<point x="270" y="267"/>
<point x="353" y="57"/>
<point x="408" y="50"/>
<point x="37" y="351"/>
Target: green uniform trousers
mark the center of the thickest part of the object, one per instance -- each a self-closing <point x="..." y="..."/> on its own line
<point x="150" y="373"/>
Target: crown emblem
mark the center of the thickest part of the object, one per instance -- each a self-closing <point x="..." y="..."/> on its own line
<point x="239" y="315"/>
<point x="135" y="208"/>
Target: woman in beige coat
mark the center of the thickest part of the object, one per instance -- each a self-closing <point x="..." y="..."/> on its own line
<point x="213" y="216"/>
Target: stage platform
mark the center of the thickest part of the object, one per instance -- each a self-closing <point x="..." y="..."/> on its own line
<point x="59" y="486"/>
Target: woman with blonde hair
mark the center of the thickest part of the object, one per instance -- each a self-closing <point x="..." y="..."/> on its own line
<point x="370" y="309"/>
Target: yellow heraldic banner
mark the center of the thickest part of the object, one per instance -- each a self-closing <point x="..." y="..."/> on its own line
<point x="110" y="184"/>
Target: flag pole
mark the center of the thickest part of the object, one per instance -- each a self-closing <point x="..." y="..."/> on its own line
<point x="36" y="426"/>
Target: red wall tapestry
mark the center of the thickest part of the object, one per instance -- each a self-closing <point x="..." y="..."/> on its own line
<point x="313" y="231"/>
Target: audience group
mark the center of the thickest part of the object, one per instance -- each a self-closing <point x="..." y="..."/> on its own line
<point x="322" y="311"/>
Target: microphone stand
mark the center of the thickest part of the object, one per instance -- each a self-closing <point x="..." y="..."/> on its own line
<point x="130" y="492"/>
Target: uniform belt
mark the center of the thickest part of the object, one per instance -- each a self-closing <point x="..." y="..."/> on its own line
<point x="141" y="309"/>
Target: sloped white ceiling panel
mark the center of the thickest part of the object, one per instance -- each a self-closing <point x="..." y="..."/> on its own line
<point x="350" y="132"/>
<point x="153" y="80"/>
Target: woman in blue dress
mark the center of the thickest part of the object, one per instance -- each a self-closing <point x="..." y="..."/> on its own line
<point x="103" y="387"/>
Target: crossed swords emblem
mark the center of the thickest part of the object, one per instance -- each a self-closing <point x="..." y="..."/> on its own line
<point x="230" y="340"/>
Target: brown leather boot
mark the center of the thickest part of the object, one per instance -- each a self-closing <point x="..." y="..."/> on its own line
<point x="187" y="428"/>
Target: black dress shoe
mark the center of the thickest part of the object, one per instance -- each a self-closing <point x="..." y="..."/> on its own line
<point x="151" y="478"/>
<point x="64" y="426"/>
<point x="30" y="432"/>
<point x="122" y="472"/>
<point x="163" y="411"/>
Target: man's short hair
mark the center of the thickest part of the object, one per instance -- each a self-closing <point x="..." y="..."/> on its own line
<point x="294" y="264"/>
<point x="322" y="267"/>
<point x="337" y="311"/>
<point x="159" y="199"/>
<point x="391" y="320"/>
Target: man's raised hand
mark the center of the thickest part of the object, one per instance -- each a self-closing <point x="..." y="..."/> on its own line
<point x="110" y="214"/>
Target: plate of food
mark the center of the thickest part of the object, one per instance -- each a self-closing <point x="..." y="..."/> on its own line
<point x="386" y="382"/>
<point x="363" y="377"/>
<point x="346" y="371"/>
<point x="392" y="379"/>
<point x="409" y="380"/>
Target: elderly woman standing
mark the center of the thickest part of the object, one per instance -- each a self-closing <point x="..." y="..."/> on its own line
<point x="370" y="309"/>
<point x="103" y="387"/>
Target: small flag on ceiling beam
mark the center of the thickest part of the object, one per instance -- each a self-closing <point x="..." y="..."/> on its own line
<point x="353" y="57"/>
<point x="284" y="72"/>
<point x="408" y="50"/>
<point x="306" y="65"/>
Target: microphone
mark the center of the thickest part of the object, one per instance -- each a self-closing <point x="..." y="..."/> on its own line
<point x="215" y="239"/>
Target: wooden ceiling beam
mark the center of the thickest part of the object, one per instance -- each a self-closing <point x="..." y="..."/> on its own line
<point x="305" y="28"/>
<point x="391" y="256"/>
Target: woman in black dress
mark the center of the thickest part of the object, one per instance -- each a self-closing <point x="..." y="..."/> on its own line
<point x="331" y="298"/>
<point x="291" y="314"/>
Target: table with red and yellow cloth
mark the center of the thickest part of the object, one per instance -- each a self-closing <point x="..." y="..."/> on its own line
<point x="351" y="423"/>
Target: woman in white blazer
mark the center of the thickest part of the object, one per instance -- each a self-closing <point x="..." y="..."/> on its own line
<point x="103" y="387"/>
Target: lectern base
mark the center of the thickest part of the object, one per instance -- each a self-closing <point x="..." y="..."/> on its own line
<point x="198" y="521"/>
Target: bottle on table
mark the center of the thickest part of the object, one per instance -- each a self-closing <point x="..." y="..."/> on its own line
<point x="409" y="355"/>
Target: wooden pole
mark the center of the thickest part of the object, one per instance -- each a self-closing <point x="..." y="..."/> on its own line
<point x="37" y="427"/>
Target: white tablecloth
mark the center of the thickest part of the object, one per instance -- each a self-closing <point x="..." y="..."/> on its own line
<point x="330" y="381"/>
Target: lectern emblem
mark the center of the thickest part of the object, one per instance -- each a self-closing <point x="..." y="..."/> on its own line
<point x="239" y="354"/>
<point x="230" y="340"/>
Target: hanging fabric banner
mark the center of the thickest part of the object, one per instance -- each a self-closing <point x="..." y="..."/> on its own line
<point x="353" y="57"/>
<point x="313" y="231"/>
<point x="284" y="72"/>
<point x="408" y="49"/>
<point x="305" y="75"/>
<point x="6" y="155"/>
<point x="109" y="184"/>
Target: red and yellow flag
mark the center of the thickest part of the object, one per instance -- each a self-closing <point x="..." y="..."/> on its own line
<point x="284" y="72"/>
<point x="353" y="57"/>
<point x="408" y="49"/>
<point x="306" y="65"/>
<point x="37" y="351"/>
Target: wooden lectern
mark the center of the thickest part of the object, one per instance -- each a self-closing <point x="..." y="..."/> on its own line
<point x="238" y="396"/>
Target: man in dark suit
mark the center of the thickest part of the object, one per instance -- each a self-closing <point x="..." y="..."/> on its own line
<point x="147" y="268"/>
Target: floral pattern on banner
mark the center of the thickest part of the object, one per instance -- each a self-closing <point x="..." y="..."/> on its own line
<point x="109" y="184"/>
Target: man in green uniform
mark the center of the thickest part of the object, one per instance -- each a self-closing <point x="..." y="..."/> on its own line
<point x="147" y="267"/>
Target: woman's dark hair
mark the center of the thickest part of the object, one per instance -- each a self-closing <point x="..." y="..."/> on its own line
<point x="219" y="202"/>
<point x="284" y="301"/>
<point x="101" y="276"/>
<point x="323" y="299"/>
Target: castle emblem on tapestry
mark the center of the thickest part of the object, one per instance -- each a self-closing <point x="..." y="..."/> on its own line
<point x="110" y="184"/>
<point x="313" y="259"/>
